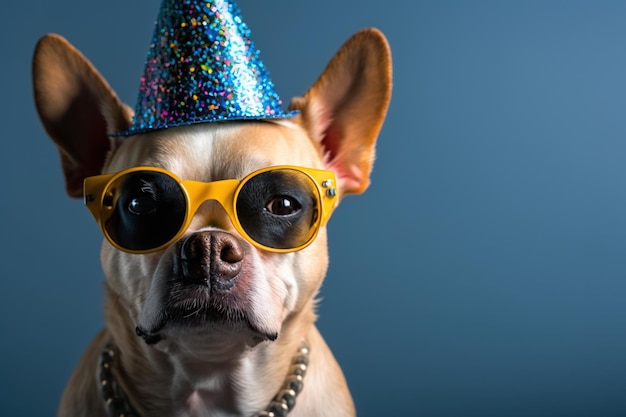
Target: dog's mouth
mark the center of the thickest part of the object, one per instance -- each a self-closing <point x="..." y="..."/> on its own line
<point x="195" y="310"/>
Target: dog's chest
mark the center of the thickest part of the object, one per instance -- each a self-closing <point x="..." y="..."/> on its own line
<point x="211" y="394"/>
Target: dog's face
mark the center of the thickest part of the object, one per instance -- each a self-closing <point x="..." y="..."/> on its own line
<point x="212" y="289"/>
<point x="212" y="285"/>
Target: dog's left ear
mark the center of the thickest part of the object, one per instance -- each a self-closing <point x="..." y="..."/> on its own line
<point x="344" y="109"/>
<point x="77" y="107"/>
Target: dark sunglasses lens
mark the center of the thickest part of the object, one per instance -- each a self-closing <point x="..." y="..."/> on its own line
<point x="279" y="209"/>
<point x="148" y="210"/>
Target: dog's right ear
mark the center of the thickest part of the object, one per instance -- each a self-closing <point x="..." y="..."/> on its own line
<point x="344" y="109"/>
<point x="77" y="107"/>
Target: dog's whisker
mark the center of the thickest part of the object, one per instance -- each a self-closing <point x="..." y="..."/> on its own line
<point x="193" y="313"/>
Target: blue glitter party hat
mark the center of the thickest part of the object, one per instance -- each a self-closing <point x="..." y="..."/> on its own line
<point x="202" y="67"/>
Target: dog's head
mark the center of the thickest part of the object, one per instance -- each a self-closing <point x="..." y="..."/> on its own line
<point x="218" y="280"/>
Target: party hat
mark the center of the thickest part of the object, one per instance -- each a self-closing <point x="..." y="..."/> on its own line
<point x="202" y="67"/>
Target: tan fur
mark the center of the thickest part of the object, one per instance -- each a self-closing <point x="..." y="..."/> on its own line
<point x="215" y="373"/>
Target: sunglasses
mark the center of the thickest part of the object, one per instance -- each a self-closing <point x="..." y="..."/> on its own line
<point x="146" y="209"/>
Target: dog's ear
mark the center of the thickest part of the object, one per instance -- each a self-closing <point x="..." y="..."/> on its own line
<point x="344" y="109"/>
<point x="77" y="107"/>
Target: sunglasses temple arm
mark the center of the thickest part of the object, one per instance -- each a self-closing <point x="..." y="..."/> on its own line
<point x="330" y="200"/>
<point x="93" y="187"/>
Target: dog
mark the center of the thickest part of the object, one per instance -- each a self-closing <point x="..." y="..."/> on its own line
<point x="219" y="320"/>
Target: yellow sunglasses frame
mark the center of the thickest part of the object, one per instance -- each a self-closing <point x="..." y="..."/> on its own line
<point x="225" y="192"/>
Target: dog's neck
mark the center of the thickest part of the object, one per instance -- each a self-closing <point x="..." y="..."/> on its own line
<point x="281" y="404"/>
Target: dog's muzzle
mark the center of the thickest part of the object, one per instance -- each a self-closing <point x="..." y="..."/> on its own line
<point x="207" y="267"/>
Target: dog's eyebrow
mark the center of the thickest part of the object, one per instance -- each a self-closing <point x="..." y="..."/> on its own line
<point x="238" y="169"/>
<point x="253" y="164"/>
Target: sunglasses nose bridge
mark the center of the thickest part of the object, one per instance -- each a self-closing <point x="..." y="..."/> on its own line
<point x="221" y="192"/>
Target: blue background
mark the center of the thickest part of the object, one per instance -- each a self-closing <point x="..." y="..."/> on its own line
<point x="482" y="274"/>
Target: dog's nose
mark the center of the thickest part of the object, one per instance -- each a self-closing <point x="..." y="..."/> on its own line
<point x="212" y="258"/>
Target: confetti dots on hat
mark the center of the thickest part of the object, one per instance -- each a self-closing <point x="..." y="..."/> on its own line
<point x="202" y="67"/>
